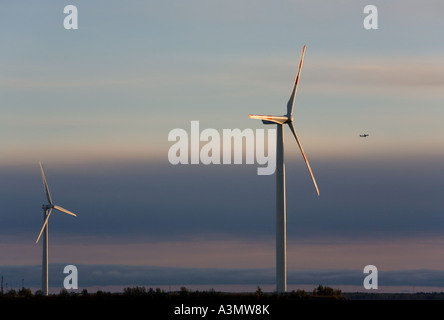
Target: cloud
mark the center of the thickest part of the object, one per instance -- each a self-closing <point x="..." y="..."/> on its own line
<point x="227" y="251"/>
<point x="148" y="276"/>
<point x="358" y="196"/>
<point x="369" y="75"/>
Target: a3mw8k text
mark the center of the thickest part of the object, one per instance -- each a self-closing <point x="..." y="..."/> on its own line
<point x="243" y="309"/>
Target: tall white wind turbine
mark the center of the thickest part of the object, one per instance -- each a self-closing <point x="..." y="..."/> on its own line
<point x="47" y="209"/>
<point x="281" y="242"/>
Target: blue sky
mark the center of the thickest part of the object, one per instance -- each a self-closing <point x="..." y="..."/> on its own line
<point x="96" y="104"/>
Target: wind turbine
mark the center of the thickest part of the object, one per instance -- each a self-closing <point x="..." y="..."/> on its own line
<point x="47" y="209"/>
<point x="281" y="242"/>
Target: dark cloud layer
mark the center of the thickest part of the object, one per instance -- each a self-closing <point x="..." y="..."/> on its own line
<point x="358" y="198"/>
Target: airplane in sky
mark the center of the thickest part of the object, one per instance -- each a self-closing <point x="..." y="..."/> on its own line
<point x="363" y="135"/>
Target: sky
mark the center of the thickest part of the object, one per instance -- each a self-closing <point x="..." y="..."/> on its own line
<point x="95" y="105"/>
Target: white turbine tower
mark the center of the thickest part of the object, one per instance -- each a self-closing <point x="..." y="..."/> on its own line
<point x="47" y="209"/>
<point x="281" y="255"/>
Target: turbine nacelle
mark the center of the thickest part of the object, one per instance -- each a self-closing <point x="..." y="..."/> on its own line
<point x="58" y="208"/>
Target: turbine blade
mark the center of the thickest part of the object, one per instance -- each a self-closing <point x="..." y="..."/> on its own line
<point x="290" y="103"/>
<point x="44" y="225"/>
<point x="290" y="124"/>
<point x="275" y="119"/>
<point x="64" y="210"/>
<point x="45" y="184"/>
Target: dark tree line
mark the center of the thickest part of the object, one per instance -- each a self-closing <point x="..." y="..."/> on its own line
<point x="184" y="293"/>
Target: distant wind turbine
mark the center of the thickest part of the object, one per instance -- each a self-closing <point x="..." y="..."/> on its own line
<point x="47" y="209"/>
<point x="281" y="242"/>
